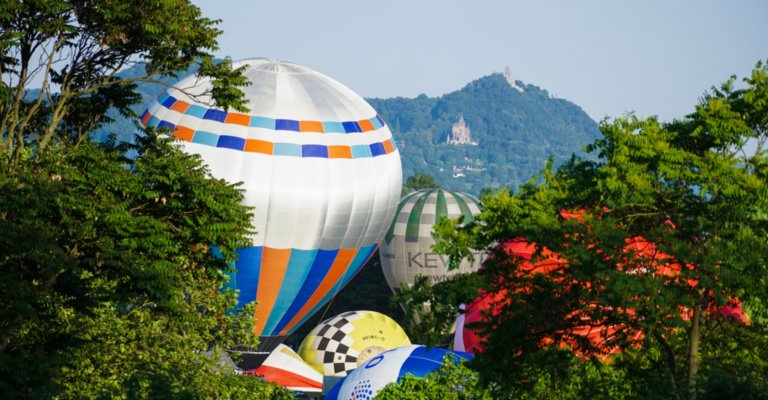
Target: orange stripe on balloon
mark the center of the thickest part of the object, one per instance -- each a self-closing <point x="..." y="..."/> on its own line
<point x="183" y="133"/>
<point x="340" y="264"/>
<point x="311" y="126"/>
<point x="388" y="146"/>
<point x="365" y="125"/>
<point x="258" y="146"/>
<point x="339" y="152"/>
<point x="238" y="119"/>
<point x="146" y="118"/>
<point x="180" y="106"/>
<point x="274" y="262"/>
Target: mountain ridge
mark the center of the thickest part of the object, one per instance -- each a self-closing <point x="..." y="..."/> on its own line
<point x="516" y="132"/>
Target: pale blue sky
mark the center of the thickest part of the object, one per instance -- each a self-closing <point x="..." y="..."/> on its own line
<point x="654" y="57"/>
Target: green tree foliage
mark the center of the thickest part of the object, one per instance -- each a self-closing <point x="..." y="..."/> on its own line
<point x="453" y="381"/>
<point x="108" y="287"/>
<point x="419" y="181"/>
<point x="59" y="62"/>
<point x="696" y="189"/>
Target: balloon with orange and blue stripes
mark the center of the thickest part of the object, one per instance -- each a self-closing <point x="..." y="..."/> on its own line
<point x="319" y="167"/>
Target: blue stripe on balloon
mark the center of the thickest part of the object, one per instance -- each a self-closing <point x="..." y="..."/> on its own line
<point x="215" y="115"/>
<point x="196" y="111"/>
<point x="351" y="127"/>
<point x="247" y="275"/>
<point x="166" y="124"/>
<point x="168" y="102"/>
<point x="206" y="138"/>
<point x="361" y="151"/>
<point x="422" y="361"/>
<point x="333" y="127"/>
<point x="314" y="150"/>
<point x="376" y="122"/>
<point x="287" y="125"/>
<point x="153" y="121"/>
<point x="287" y="149"/>
<point x="299" y="266"/>
<point x="320" y="267"/>
<point x="363" y="254"/>
<point x="377" y="149"/>
<point x="231" y="142"/>
<point x="262" y="122"/>
<point x="162" y="97"/>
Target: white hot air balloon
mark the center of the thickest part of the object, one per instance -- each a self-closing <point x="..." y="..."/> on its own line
<point x="320" y="168"/>
<point x="406" y="252"/>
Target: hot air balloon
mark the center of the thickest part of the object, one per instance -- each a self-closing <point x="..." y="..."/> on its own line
<point x="320" y="169"/>
<point x="285" y="368"/>
<point x="407" y="248"/>
<point x="341" y="343"/>
<point x="366" y="381"/>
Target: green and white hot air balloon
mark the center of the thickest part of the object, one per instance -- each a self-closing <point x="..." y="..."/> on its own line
<point x="406" y="251"/>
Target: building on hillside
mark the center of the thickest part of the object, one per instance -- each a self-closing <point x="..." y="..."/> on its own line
<point x="510" y="80"/>
<point x="460" y="133"/>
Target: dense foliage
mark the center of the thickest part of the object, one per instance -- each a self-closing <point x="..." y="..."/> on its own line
<point x="452" y="381"/>
<point x="516" y="133"/>
<point x="108" y="288"/>
<point x="697" y="190"/>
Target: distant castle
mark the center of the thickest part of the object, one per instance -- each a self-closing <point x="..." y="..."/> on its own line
<point x="508" y="77"/>
<point x="460" y="133"/>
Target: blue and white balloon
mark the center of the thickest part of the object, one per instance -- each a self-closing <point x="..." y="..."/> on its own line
<point x="367" y="380"/>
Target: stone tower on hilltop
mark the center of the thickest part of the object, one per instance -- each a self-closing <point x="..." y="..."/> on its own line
<point x="508" y="77"/>
<point x="460" y="133"/>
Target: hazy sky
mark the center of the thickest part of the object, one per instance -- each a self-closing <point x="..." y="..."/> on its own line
<point x="654" y="57"/>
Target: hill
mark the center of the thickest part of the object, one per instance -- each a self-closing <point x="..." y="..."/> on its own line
<point x="515" y="130"/>
<point x="516" y="127"/>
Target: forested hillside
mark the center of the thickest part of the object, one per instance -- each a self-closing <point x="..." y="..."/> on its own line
<point x="515" y="131"/>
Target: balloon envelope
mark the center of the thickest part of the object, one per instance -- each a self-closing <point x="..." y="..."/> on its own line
<point x="285" y="368"/>
<point x="341" y="343"/>
<point x="407" y="248"/>
<point x="319" y="168"/>
<point x="366" y="381"/>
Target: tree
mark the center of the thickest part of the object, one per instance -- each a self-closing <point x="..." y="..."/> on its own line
<point x="692" y="189"/>
<point x="419" y="181"/>
<point x="59" y="62"/>
<point x="108" y="287"/>
<point x="452" y="381"/>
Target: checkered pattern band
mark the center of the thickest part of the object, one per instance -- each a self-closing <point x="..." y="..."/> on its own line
<point x="334" y="345"/>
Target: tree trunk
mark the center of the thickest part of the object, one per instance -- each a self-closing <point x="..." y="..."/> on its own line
<point x="671" y="364"/>
<point x="693" y="357"/>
